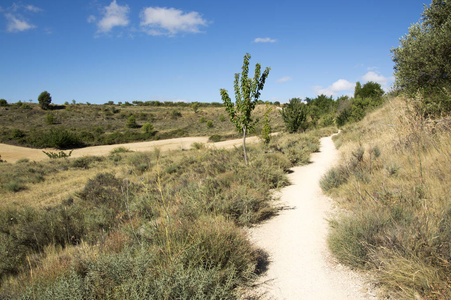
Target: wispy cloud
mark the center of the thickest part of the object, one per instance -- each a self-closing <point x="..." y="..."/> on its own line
<point x="264" y="40"/>
<point x="284" y="79"/>
<point x="14" y="24"/>
<point x="113" y="15"/>
<point x="341" y="85"/>
<point x="32" y="8"/>
<point x="170" y="21"/>
<point x="15" y="19"/>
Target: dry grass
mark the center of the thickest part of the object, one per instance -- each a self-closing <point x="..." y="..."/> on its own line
<point x="396" y="206"/>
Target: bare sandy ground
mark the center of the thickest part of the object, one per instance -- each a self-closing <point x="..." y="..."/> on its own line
<point x="300" y="264"/>
<point x="14" y="153"/>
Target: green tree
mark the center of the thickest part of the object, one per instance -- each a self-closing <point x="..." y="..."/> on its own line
<point x="49" y="119"/>
<point x="3" y="102"/>
<point x="131" y="122"/>
<point x="195" y="106"/>
<point x="369" y="90"/>
<point x="44" y="100"/>
<point x="357" y="89"/>
<point x="247" y="94"/>
<point x="423" y="58"/>
<point x="294" y="114"/>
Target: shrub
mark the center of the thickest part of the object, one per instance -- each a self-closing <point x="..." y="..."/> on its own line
<point x="3" y="102"/>
<point x="85" y="161"/>
<point x="222" y="118"/>
<point x="15" y="186"/>
<point x="215" y="138"/>
<point x="210" y="124"/>
<point x="131" y="122"/>
<point x="333" y="178"/>
<point x="175" y="114"/>
<point x="120" y="150"/>
<point x="202" y="119"/>
<point x="17" y="133"/>
<point x="59" y="138"/>
<point x="148" y="128"/>
<point x="60" y="154"/>
<point x="49" y="119"/>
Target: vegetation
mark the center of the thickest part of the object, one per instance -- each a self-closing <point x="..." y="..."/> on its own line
<point x="153" y="226"/>
<point x="247" y="94"/>
<point x="44" y="100"/>
<point x="106" y="124"/>
<point x="294" y="115"/>
<point x="423" y="61"/>
<point x="393" y="189"/>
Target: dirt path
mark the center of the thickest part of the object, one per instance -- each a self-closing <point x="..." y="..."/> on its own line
<point x="14" y="153"/>
<point x="300" y="265"/>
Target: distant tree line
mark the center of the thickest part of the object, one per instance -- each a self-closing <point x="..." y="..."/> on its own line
<point x="324" y="111"/>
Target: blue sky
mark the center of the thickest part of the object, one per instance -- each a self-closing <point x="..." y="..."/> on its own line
<point x="102" y="50"/>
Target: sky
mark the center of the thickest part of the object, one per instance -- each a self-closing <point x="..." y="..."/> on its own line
<point x="117" y="50"/>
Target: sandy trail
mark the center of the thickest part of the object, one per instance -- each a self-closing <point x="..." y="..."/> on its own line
<point x="13" y="153"/>
<point x="300" y="265"/>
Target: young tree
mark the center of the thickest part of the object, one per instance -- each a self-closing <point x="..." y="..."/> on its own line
<point x="131" y="122"/>
<point x="247" y="94"/>
<point x="294" y="115"/>
<point x="44" y="100"/>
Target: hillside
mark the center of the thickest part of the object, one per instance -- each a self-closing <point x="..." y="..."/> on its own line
<point x="393" y="193"/>
<point x="79" y="125"/>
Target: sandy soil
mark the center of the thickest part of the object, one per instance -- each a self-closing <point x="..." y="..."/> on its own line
<point x="300" y="264"/>
<point x="14" y="153"/>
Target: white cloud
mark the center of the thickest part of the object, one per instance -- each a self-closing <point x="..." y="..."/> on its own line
<point x="264" y="40"/>
<point x="16" y="25"/>
<point x="340" y="85"/>
<point x="373" y="76"/>
<point x="284" y="79"/>
<point x="170" y="21"/>
<point x="113" y="15"/>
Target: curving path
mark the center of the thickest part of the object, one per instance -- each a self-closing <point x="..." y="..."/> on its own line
<point x="300" y="265"/>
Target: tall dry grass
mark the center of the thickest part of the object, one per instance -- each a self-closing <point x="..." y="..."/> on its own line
<point x="393" y="190"/>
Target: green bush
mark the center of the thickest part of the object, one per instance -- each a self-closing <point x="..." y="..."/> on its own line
<point x="3" y="102"/>
<point x="49" y="119"/>
<point x="147" y="128"/>
<point x="215" y="138"/>
<point x="59" y="138"/>
<point x="210" y="124"/>
<point x="131" y="122"/>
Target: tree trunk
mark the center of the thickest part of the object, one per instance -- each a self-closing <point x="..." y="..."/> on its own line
<point x="244" y="145"/>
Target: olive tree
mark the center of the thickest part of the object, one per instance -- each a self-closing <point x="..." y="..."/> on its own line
<point x="247" y="94"/>
<point x="423" y="58"/>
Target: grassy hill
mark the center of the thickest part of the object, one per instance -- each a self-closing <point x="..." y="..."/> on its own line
<point x="78" y="125"/>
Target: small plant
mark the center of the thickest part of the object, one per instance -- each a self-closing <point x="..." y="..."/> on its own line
<point x="148" y="128"/>
<point x="215" y="138"/>
<point x="202" y="119"/>
<point x="222" y="118"/>
<point x="3" y="102"/>
<point x="195" y="106"/>
<point x="49" y="119"/>
<point x="358" y="154"/>
<point x="1" y="160"/>
<point x="21" y="161"/>
<point x="175" y="114"/>
<point x="198" y="146"/>
<point x="210" y="124"/>
<point x="120" y="150"/>
<point x="14" y="186"/>
<point x="131" y="122"/>
<point x="55" y="155"/>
